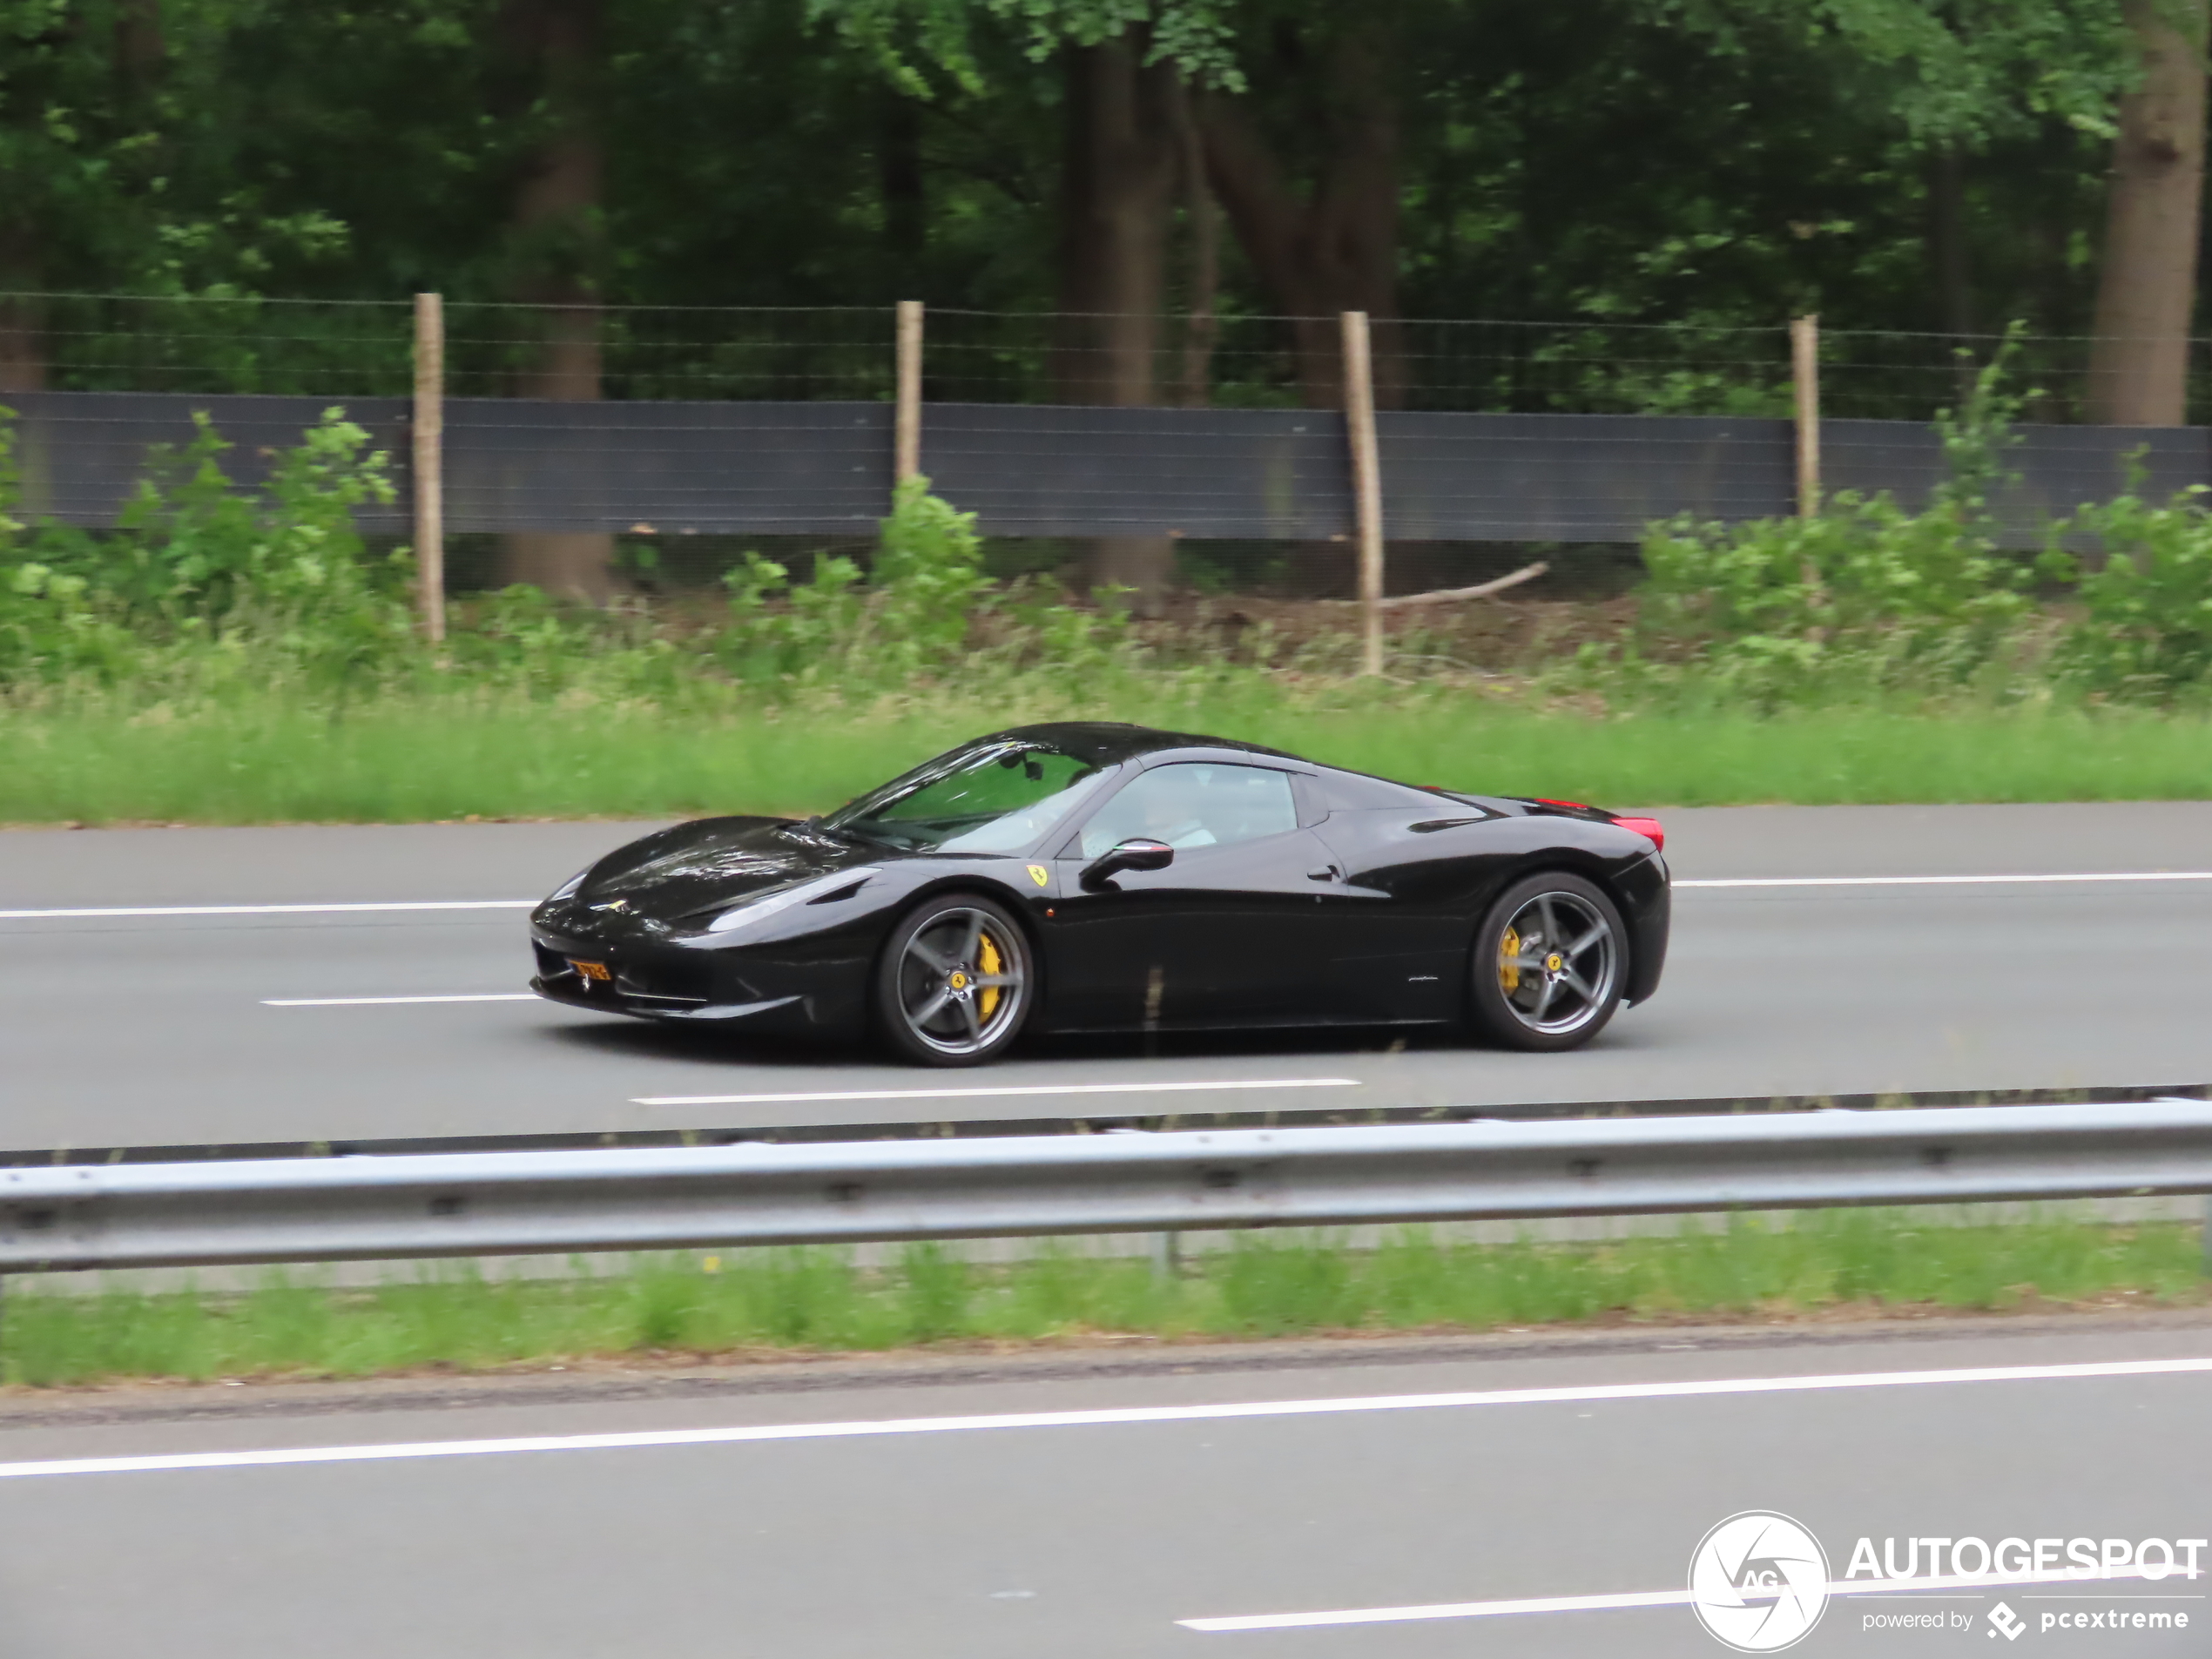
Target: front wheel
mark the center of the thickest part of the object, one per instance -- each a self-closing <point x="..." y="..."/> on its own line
<point x="1549" y="962"/>
<point x="953" y="987"/>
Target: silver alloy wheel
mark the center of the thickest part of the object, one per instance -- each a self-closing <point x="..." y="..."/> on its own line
<point x="1558" y="963"/>
<point x="964" y="982"/>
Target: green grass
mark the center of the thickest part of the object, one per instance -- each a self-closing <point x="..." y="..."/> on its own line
<point x="399" y="760"/>
<point x="1259" y="1285"/>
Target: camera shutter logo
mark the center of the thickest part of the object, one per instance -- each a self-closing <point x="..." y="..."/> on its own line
<point x="1758" y="1581"/>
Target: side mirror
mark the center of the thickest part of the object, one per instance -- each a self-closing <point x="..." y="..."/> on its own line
<point x="1138" y="854"/>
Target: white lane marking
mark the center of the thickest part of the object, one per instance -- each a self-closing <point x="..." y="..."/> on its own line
<point x="1634" y="1599"/>
<point x="1108" y="1417"/>
<point x="983" y="1094"/>
<point x="126" y="911"/>
<point x="380" y="1001"/>
<point x="1939" y="881"/>
<point x="268" y="909"/>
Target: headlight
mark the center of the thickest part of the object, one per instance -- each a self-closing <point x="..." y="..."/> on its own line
<point x="568" y="888"/>
<point x="748" y="911"/>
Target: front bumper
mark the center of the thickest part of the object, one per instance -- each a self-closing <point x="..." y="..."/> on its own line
<point x="651" y="979"/>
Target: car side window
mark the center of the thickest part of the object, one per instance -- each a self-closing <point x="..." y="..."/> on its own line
<point x="1195" y="804"/>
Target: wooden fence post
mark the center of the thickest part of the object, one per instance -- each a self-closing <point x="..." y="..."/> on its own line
<point x="429" y="462"/>
<point x="1804" y="373"/>
<point x="907" y="440"/>
<point x="1366" y="485"/>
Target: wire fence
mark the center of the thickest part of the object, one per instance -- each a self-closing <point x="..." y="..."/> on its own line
<point x="363" y="348"/>
<point x="691" y="434"/>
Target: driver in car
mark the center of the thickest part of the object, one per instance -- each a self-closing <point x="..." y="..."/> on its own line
<point x="1168" y="805"/>
<point x="1172" y="809"/>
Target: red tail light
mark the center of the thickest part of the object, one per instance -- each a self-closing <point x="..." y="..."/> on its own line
<point x="1647" y="827"/>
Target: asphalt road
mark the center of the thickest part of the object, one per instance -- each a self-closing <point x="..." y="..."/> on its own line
<point x="156" y="1030"/>
<point x="907" y="1533"/>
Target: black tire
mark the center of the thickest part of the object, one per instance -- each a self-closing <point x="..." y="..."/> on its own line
<point x="1560" y="994"/>
<point x="955" y="983"/>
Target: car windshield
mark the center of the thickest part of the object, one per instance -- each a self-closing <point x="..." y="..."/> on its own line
<point x="998" y="797"/>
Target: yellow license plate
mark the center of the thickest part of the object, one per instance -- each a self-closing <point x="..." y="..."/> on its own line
<point x="591" y="970"/>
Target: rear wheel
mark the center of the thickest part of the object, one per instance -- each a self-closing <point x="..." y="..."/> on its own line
<point x="953" y="985"/>
<point x="1549" y="962"/>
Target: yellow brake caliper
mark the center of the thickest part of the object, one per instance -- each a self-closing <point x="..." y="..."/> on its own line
<point x="987" y="967"/>
<point x="1509" y="969"/>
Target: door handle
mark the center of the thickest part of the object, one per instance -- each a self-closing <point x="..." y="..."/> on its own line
<point x="1327" y="873"/>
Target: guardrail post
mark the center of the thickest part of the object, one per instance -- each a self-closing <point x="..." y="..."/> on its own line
<point x="429" y="462"/>
<point x="1166" y="1254"/>
<point x="906" y="430"/>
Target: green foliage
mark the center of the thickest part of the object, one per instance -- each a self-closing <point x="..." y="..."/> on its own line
<point x="929" y="569"/>
<point x="1868" y="598"/>
<point x="2145" y="631"/>
<point x="1255" y="1284"/>
<point x="195" y="566"/>
<point x="805" y="638"/>
<point x="273" y="756"/>
<point x="205" y="586"/>
<point x="1863" y="594"/>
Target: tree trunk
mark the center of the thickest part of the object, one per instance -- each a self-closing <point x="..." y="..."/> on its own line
<point x="1332" y="247"/>
<point x="1202" y="291"/>
<point x="559" y="244"/>
<point x="1115" y="192"/>
<point x="2139" y="361"/>
<point x="22" y="338"/>
<point x="1329" y="246"/>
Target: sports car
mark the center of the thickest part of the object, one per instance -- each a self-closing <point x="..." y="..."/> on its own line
<point x="1097" y="877"/>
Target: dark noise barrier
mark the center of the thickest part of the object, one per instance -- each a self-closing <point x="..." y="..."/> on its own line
<point x="824" y="468"/>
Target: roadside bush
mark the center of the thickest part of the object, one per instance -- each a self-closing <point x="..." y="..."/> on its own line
<point x="2145" y="633"/>
<point x="1863" y="596"/>
<point x="1865" y="592"/>
<point x="204" y="586"/>
<point x="196" y="564"/>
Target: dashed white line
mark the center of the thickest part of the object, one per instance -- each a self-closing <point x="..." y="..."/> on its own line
<point x="108" y="912"/>
<point x="983" y="1094"/>
<point x="380" y="1001"/>
<point x="637" y="1439"/>
<point x="266" y="909"/>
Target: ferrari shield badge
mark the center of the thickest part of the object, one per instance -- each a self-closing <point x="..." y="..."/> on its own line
<point x="1039" y="874"/>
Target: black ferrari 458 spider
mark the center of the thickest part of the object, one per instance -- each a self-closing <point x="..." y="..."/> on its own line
<point x="1112" y="878"/>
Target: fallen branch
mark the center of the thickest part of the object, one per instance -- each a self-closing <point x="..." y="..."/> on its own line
<point x="1445" y="596"/>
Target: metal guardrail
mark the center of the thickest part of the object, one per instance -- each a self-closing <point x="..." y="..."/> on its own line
<point x="210" y="1214"/>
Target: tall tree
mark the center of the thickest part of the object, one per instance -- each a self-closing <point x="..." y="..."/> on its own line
<point x="78" y="122"/>
<point x="1325" y="243"/>
<point x="2146" y="286"/>
<point x="558" y="253"/>
<point x="1117" y="184"/>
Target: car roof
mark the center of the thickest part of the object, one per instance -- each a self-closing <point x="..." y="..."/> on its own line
<point x="1106" y="743"/>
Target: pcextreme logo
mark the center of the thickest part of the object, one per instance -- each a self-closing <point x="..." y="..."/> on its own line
<point x="1758" y="1581"/>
